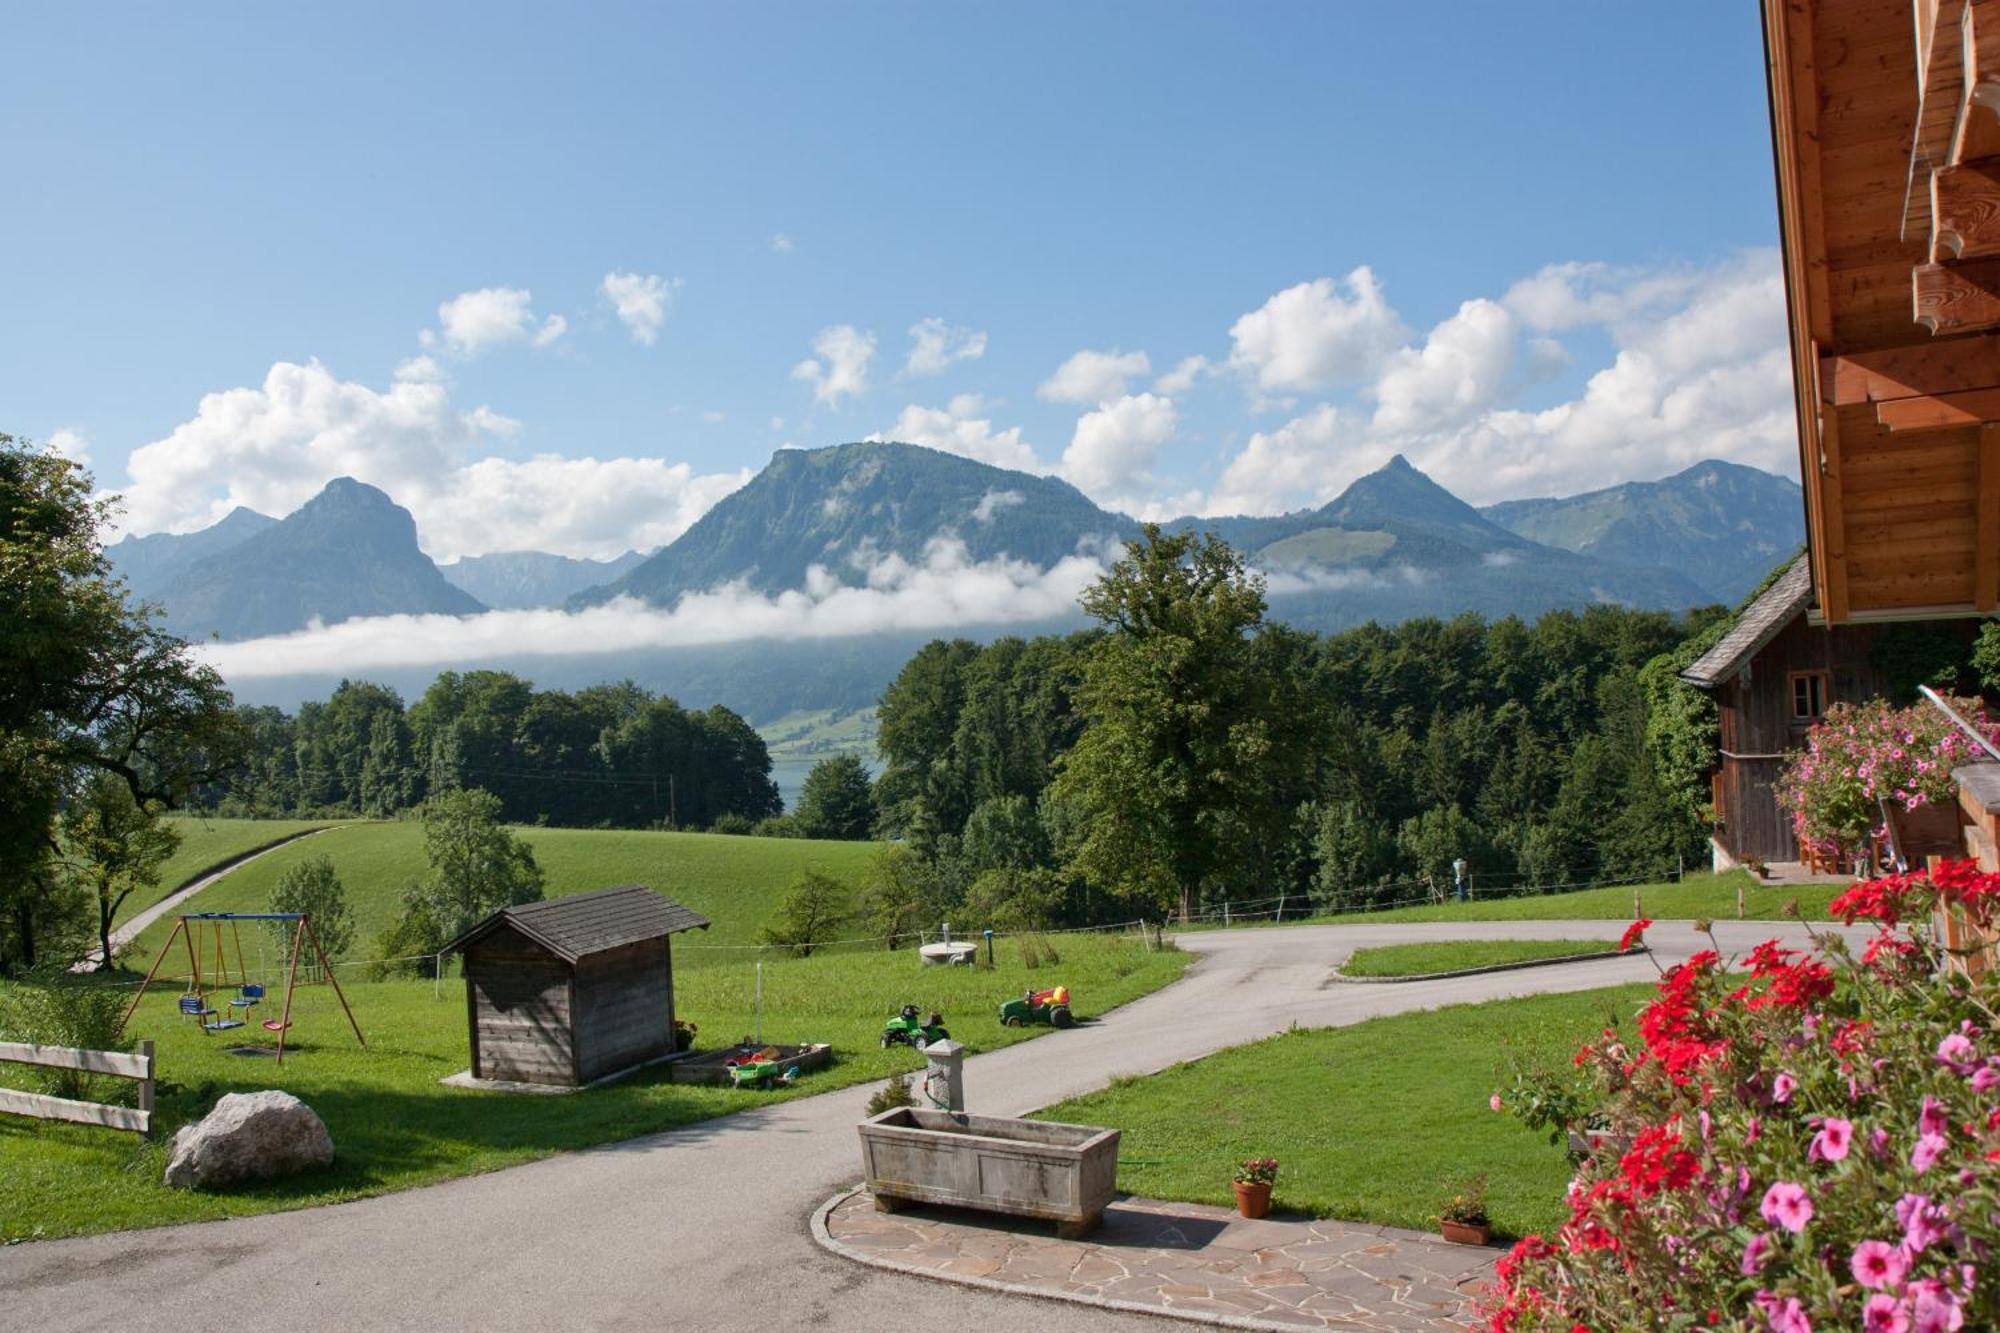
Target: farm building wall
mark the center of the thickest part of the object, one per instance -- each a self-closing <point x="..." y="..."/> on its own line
<point x="519" y="997"/>
<point x="624" y="1008"/>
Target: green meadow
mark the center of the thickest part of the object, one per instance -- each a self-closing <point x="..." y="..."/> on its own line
<point x="736" y="882"/>
<point x="208" y="844"/>
<point x="1379" y="1122"/>
<point x="395" y="1126"/>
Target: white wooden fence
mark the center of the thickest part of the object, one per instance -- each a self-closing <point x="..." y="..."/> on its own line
<point x="138" y="1119"/>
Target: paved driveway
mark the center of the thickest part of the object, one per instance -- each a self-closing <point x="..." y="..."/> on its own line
<point x="706" y="1227"/>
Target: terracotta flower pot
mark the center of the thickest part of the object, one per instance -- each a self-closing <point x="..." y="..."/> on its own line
<point x="1465" y="1233"/>
<point x="1252" y="1200"/>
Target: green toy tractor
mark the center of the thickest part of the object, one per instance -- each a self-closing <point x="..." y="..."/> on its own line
<point x="1039" y="1006"/>
<point x="905" y="1029"/>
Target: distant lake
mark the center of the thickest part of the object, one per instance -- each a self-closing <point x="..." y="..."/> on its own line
<point x="790" y="775"/>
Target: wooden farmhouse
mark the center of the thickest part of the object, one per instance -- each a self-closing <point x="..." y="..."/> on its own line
<point x="1773" y="674"/>
<point x="1885" y="119"/>
<point x="1886" y="124"/>
<point x="572" y="990"/>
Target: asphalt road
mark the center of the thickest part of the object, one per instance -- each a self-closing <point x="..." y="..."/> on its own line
<point x="706" y="1227"/>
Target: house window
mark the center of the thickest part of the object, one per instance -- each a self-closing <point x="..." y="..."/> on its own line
<point x="1808" y="695"/>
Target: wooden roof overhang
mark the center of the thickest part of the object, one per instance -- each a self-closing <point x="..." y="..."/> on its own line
<point x="1886" y="128"/>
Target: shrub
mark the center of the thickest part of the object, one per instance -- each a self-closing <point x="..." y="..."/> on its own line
<point x="732" y="821"/>
<point x="1815" y="1146"/>
<point x="54" y="1007"/>
<point x="894" y="1093"/>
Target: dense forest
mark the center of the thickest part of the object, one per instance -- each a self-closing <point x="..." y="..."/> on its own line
<point x="608" y="756"/>
<point x="1523" y="749"/>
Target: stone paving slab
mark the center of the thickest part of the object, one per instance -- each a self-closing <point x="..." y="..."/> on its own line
<point x="1184" y="1260"/>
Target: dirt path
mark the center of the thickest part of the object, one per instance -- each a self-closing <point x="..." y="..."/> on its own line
<point x="122" y="935"/>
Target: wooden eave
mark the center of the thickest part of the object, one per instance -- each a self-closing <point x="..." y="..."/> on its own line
<point x="1885" y="122"/>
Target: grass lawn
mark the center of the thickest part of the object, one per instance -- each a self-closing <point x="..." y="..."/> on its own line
<point x="1422" y="960"/>
<point x="207" y="843"/>
<point x="1702" y="895"/>
<point x="736" y="882"/>
<point x="1371" y="1123"/>
<point x="394" y="1126"/>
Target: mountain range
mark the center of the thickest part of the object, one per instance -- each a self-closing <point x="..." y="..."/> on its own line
<point x="1394" y="545"/>
<point x="516" y="580"/>
<point x="349" y="551"/>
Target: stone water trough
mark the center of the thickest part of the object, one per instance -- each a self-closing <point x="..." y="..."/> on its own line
<point x="1065" y="1174"/>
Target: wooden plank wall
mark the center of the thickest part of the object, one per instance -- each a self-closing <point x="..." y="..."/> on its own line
<point x="518" y="994"/>
<point x="625" y="1008"/>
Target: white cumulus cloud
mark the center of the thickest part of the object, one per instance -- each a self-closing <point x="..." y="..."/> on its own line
<point x="1299" y="461"/>
<point x="1700" y="369"/>
<point x="1093" y="377"/>
<point x="71" y="443"/>
<point x="1317" y="335"/>
<point x="273" y="446"/>
<point x="963" y="427"/>
<point x="1111" y="454"/>
<point x="1184" y="374"/>
<point x="641" y="301"/>
<point x="935" y="344"/>
<point x="839" y="367"/>
<point x="476" y="321"/>
<point x="1461" y="368"/>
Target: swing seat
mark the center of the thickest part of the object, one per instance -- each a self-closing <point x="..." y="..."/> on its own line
<point x="194" y="1006"/>
<point x="275" y="1025"/>
<point x="248" y="996"/>
<point x="222" y="1025"/>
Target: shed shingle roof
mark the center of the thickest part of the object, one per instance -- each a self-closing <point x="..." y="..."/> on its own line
<point x="1762" y="621"/>
<point x="587" y="923"/>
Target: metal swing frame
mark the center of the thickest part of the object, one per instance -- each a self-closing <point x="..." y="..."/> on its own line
<point x="302" y="931"/>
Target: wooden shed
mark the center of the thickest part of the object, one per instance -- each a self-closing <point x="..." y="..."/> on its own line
<point x="1773" y="675"/>
<point x="571" y="990"/>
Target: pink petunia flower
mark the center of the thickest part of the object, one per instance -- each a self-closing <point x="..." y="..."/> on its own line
<point x="1884" y="1314"/>
<point x="1832" y="1142"/>
<point x="1784" y="1313"/>
<point x="1878" y="1143"/>
<point x="1956" y="1053"/>
<point x="1782" y="1088"/>
<point x="1987" y="1079"/>
<point x="1755" y="1255"/>
<point x="1933" y="1308"/>
<point x="1787" y="1205"/>
<point x="1931" y="1119"/>
<point x="1924" y="1223"/>
<point x="1878" y="1264"/>
<point x="1924" y="1156"/>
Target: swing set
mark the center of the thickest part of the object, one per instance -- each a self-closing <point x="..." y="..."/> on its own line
<point x="195" y="1003"/>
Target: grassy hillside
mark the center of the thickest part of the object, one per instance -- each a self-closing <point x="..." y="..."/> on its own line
<point x="735" y="882"/>
<point x="821" y="732"/>
<point x="395" y="1126"/>
<point x="207" y="843"/>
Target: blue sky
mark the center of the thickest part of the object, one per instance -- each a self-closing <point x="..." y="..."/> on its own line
<point x="271" y="207"/>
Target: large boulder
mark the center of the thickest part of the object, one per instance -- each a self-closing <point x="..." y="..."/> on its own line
<point x="248" y="1136"/>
